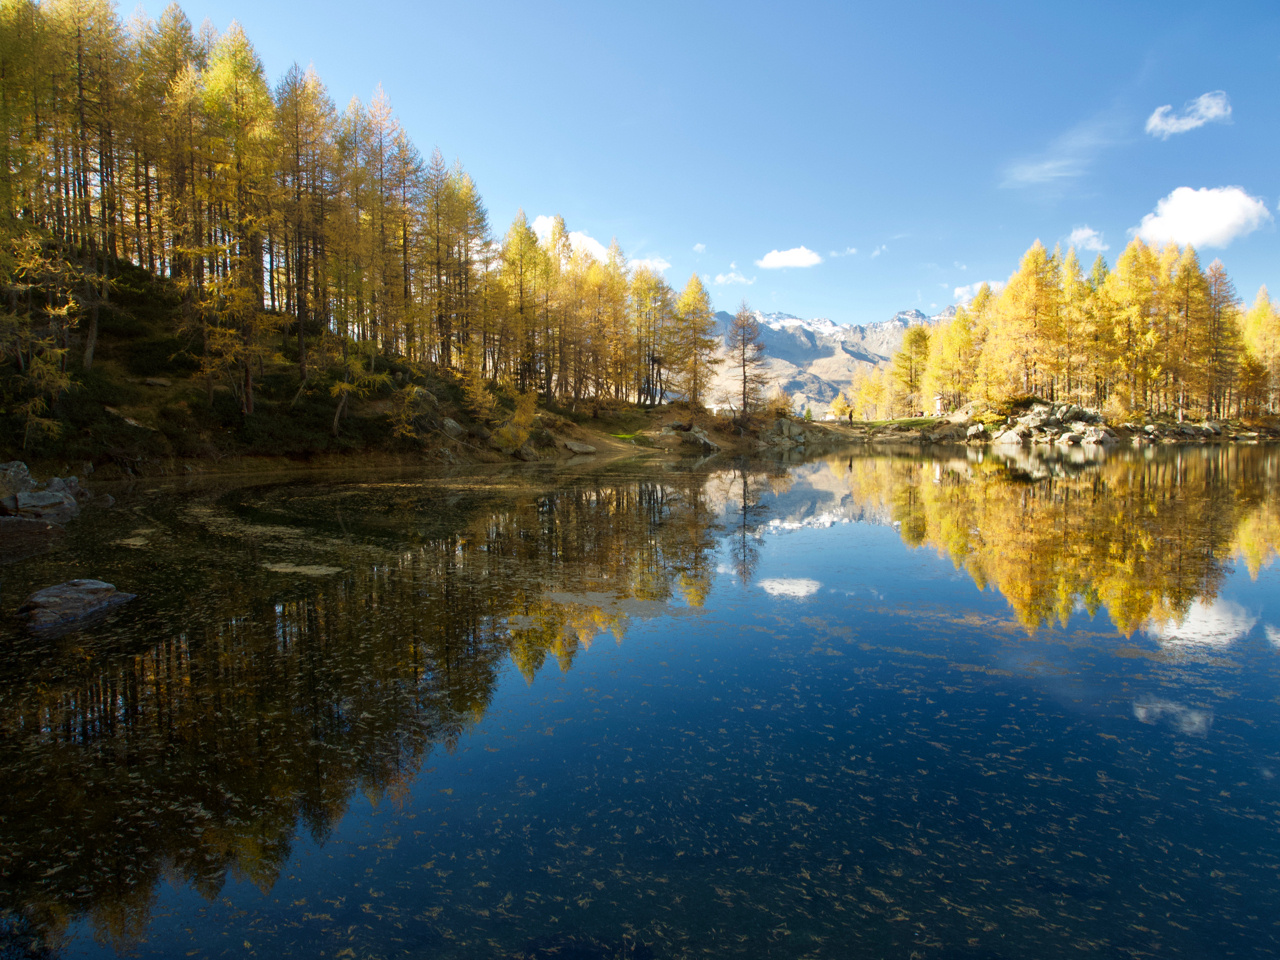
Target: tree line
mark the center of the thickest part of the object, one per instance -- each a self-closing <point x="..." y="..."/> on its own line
<point x="295" y="232"/>
<point x="1158" y="333"/>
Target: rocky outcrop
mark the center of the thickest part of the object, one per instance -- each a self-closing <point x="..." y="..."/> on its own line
<point x="68" y="605"/>
<point x="32" y="514"/>
<point x="55" y="501"/>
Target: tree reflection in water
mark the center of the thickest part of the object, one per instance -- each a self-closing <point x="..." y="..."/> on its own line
<point x="1140" y="537"/>
<point x="196" y="737"/>
<point x="202" y="753"/>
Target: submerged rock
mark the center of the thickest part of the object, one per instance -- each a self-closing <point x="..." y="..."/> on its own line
<point x="67" y="604"/>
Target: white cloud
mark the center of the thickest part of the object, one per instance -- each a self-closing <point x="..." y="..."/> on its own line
<point x="585" y="243"/>
<point x="1181" y="717"/>
<point x="970" y="290"/>
<point x="961" y="266"/>
<point x="1067" y="156"/>
<point x="699" y="248"/>
<point x="846" y="252"/>
<point x="1208" y="217"/>
<point x="878" y="250"/>
<point x="654" y="264"/>
<point x="579" y="241"/>
<point x="733" y="276"/>
<point x="790" y="587"/>
<point x="1206" y="108"/>
<point x="1273" y="634"/>
<point x="1215" y="624"/>
<point x="795" y="257"/>
<point x="1086" y="238"/>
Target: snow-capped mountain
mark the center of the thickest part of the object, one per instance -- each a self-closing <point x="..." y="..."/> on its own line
<point x="815" y="359"/>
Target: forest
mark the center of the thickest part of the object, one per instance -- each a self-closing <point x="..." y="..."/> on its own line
<point x="1156" y="334"/>
<point x="274" y="248"/>
<point x="312" y="280"/>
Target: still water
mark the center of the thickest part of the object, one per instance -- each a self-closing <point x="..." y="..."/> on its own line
<point x="867" y="706"/>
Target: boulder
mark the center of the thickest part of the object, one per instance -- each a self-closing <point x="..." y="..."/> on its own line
<point x="573" y="446"/>
<point x="452" y="428"/>
<point x="1015" y="435"/>
<point x="15" y="478"/>
<point x="66" y="605"/>
<point x="527" y="454"/>
<point x="976" y="432"/>
<point x="53" y="505"/>
<point x="697" y="438"/>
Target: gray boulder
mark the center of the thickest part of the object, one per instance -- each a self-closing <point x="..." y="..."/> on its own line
<point x="697" y="438"/>
<point x="15" y="478"/>
<point x="573" y="446"/>
<point x="527" y="454"/>
<point x="53" y="505"/>
<point x="66" y="605"/>
<point x="452" y="428"/>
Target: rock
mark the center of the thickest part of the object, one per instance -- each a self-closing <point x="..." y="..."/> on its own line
<point x="697" y="438"/>
<point x="976" y="432"/>
<point x="573" y="446"/>
<point x="15" y="478"/>
<point x="70" y="486"/>
<point x="22" y="537"/>
<point x="1013" y="436"/>
<point x="158" y="382"/>
<point x="45" y="505"/>
<point x="527" y="454"/>
<point x="481" y="432"/>
<point x="67" y="604"/>
<point x="130" y="421"/>
<point x="452" y="428"/>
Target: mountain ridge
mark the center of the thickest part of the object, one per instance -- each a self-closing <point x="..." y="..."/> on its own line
<point x="813" y="360"/>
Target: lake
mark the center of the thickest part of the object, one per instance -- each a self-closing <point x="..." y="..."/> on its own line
<point x="880" y="704"/>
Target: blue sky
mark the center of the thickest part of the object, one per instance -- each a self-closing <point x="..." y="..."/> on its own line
<point x="937" y="140"/>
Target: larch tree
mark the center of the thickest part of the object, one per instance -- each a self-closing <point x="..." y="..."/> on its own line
<point x="695" y="341"/>
<point x="744" y="352"/>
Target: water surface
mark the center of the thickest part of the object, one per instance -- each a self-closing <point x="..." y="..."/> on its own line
<point x="869" y="706"/>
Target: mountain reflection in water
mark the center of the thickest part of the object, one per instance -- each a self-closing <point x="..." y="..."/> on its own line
<point x="808" y="742"/>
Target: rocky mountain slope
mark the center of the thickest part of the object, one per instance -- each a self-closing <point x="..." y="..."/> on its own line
<point x="814" y="360"/>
